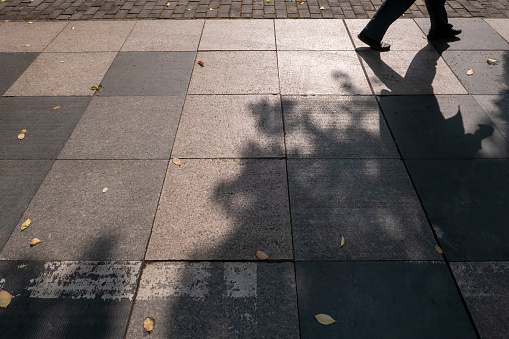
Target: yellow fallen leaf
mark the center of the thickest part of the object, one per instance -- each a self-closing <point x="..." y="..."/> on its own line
<point x="23" y="131"/>
<point x="176" y="161"/>
<point x="148" y="324"/>
<point x="62" y="61"/>
<point x="30" y="22"/>
<point x="72" y="27"/>
<point x="262" y="255"/>
<point x="267" y="0"/>
<point x="342" y="240"/>
<point x="470" y="72"/>
<point x="5" y="299"/>
<point x="94" y="88"/>
<point x="167" y="4"/>
<point x="35" y="241"/>
<point x="491" y="61"/>
<point x="301" y="2"/>
<point x="21" y="136"/>
<point x="57" y="107"/>
<point x="27" y="45"/>
<point x="325" y="319"/>
<point x="105" y="189"/>
<point x="25" y="224"/>
<point x="438" y="249"/>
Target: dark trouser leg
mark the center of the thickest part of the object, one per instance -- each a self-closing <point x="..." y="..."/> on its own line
<point x="385" y="16"/>
<point x="437" y="15"/>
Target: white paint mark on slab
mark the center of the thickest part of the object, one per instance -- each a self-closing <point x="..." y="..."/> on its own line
<point x="22" y="266"/>
<point x="86" y="280"/>
<point x="240" y="279"/>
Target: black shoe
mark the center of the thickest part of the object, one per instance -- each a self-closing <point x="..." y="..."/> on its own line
<point x="376" y="45"/>
<point x="444" y="34"/>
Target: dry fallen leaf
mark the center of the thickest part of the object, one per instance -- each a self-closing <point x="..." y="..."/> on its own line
<point x="94" y="88"/>
<point x="325" y="319"/>
<point x="342" y="240"/>
<point x="167" y="4"/>
<point x="5" y="299"/>
<point x="30" y="22"/>
<point x="201" y="63"/>
<point x="438" y="249"/>
<point x="57" y="107"/>
<point x="27" y="45"/>
<point x="62" y="61"/>
<point x="148" y="324"/>
<point x="470" y="72"/>
<point x="35" y="241"/>
<point x="262" y="255"/>
<point x="322" y="8"/>
<point x="176" y="161"/>
<point x="21" y="136"/>
<point x="25" y="224"/>
<point x="491" y="61"/>
<point x="72" y="27"/>
<point x="105" y="189"/>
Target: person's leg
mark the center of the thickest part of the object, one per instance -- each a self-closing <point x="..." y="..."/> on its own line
<point x="440" y="26"/>
<point x="384" y="17"/>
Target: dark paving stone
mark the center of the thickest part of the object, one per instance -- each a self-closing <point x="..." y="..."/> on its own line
<point x="67" y="299"/>
<point x="47" y="129"/>
<point x="13" y="65"/>
<point x="148" y="73"/>
<point x="466" y="201"/>
<point x="380" y="299"/>
<point x="452" y="126"/>
<point x="497" y="108"/>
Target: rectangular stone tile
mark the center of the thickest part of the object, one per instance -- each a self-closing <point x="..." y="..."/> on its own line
<point x="76" y="220"/>
<point x="230" y="126"/>
<point x="409" y="72"/>
<point x="315" y="72"/>
<point x="63" y="74"/>
<point x="497" y="108"/>
<point x="370" y="202"/>
<point x="336" y="127"/>
<point x="158" y="35"/>
<point x="373" y="299"/>
<point x="483" y="286"/>
<point x="25" y="37"/>
<point x="125" y="128"/>
<point x="148" y="73"/>
<point x="466" y="202"/>
<point x="238" y="35"/>
<point x="501" y="26"/>
<point x="308" y="34"/>
<point x="13" y="65"/>
<point x="67" y="299"/>
<point x="443" y="126"/>
<point x="235" y="72"/>
<point x="223" y="210"/>
<point x="217" y="300"/>
<point x="487" y="78"/>
<point x="47" y="129"/>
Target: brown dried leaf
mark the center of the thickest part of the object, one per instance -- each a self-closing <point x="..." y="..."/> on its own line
<point x="25" y="224"/>
<point x="491" y="61"/>
<point x="57" y="107"/>
<point x="148" y="324"/>
<point x="35" y="241"/>
<point x="438" y="249"/>
<point x="325" y="319"/>
<point x="176" y="161"/>
<point x="21" y="136"/>
<point x="342" y="240"/>
<point x="262" y="255"/>
<point x="23" y="131"/>
<point x="201" y="63"/>
<point x="94" y="88"/>
<point x="5" y="299"/>
<point x="470" y="72"/>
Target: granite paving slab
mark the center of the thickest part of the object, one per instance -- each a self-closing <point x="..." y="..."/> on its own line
<point x="321" y="72"/>
<point x="28" y="37"/>
<point x="487" y="78"/>
<point x="371" y="202"/>
<point x="13" y="65"/>
<point x="148" y="73"/>
<point x="497" y="108"/>
<point x="443" y="126"/>
<point x="312" y="34"/>
<point x="230" y="126"/>
<point x="466" y="202"/>
<point x="229" y="35"/>
<point x="19" y="180"/>
<point x="67" y="299"/>
<point x="91" y="36"/>
<point x="409" y="72"/>
<point x="72" y="215"/>
<point x="373" y="299"/>
<point x="47" y="129"/>
<point x="222" y="210"/>
<point x="216" y="300"/>
<point x="501" y="26"/>
<point x="176" y="36"/>
<point x="336" y="127"/>
<point x="483" y="286"/>
<point x="235" y="72"/>
<point x="62" y="74"/>
<point x="125" y="128"/>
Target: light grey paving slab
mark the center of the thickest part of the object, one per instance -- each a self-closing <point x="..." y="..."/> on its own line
<point x="321" y="72"/>
<point x="336" y="127"/>
<point x="159" y="35"/>
<point x="501" y="26"/>
<point x="487" y="78"/>
<point x="312" y="34"/>
<point x="371" y="202"/>
<point x="63" y="74"/>
<point x="409" y="72"/>
<point x="216" y="300"/>
<point x="125" y="128"/>
<point x="26" y="37"/>
<point x="235" y="72"/>
<point x="230" y="126"/>
<point x="484" y="288"/>
<point x="76" y="220"/>
<point x="497" y="108"/>
<point x="91" y="36"/>
<point x="231" y="35"/>
<point x="222" y="210"/>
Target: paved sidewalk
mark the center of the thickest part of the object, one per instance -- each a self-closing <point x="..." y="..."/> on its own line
<point x="160" y="156"/>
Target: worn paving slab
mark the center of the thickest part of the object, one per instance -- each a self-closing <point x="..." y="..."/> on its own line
<point x="501" y="26"/>
<point x="19" y="180"/>
<point x="336" y="127"/>
<point x="321" y="72"/>
<point x="443" y="126"/>
<point x="370" y="298"/>
<point x="148" y="73"/>
<point x="91" y="36"/>
<point x="76" y="220"/>
<point x="47" y="130"/>
<point x="497" y="108"/>
<point x="483" y="285"/>
<point x="312" y="34"/>
<point x="231" y="35"/>
<point x="370" y="202"/>
<point x="222" y="210"/>
<point x="176" y="36"/>
<point x="67" y="299"/>
<point x="225" y="72"/>
<point x="26" y="37"/>
<point x="409" y="72"/>
<point x="125" y="128"/>
<point x="230" y="126"/>
<point x="13" y="65"/>
<point x="466" y="202"/>
<point x="487" y="78"/>
<point x="216" y="300"/>
<point x="63" y="74"/>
